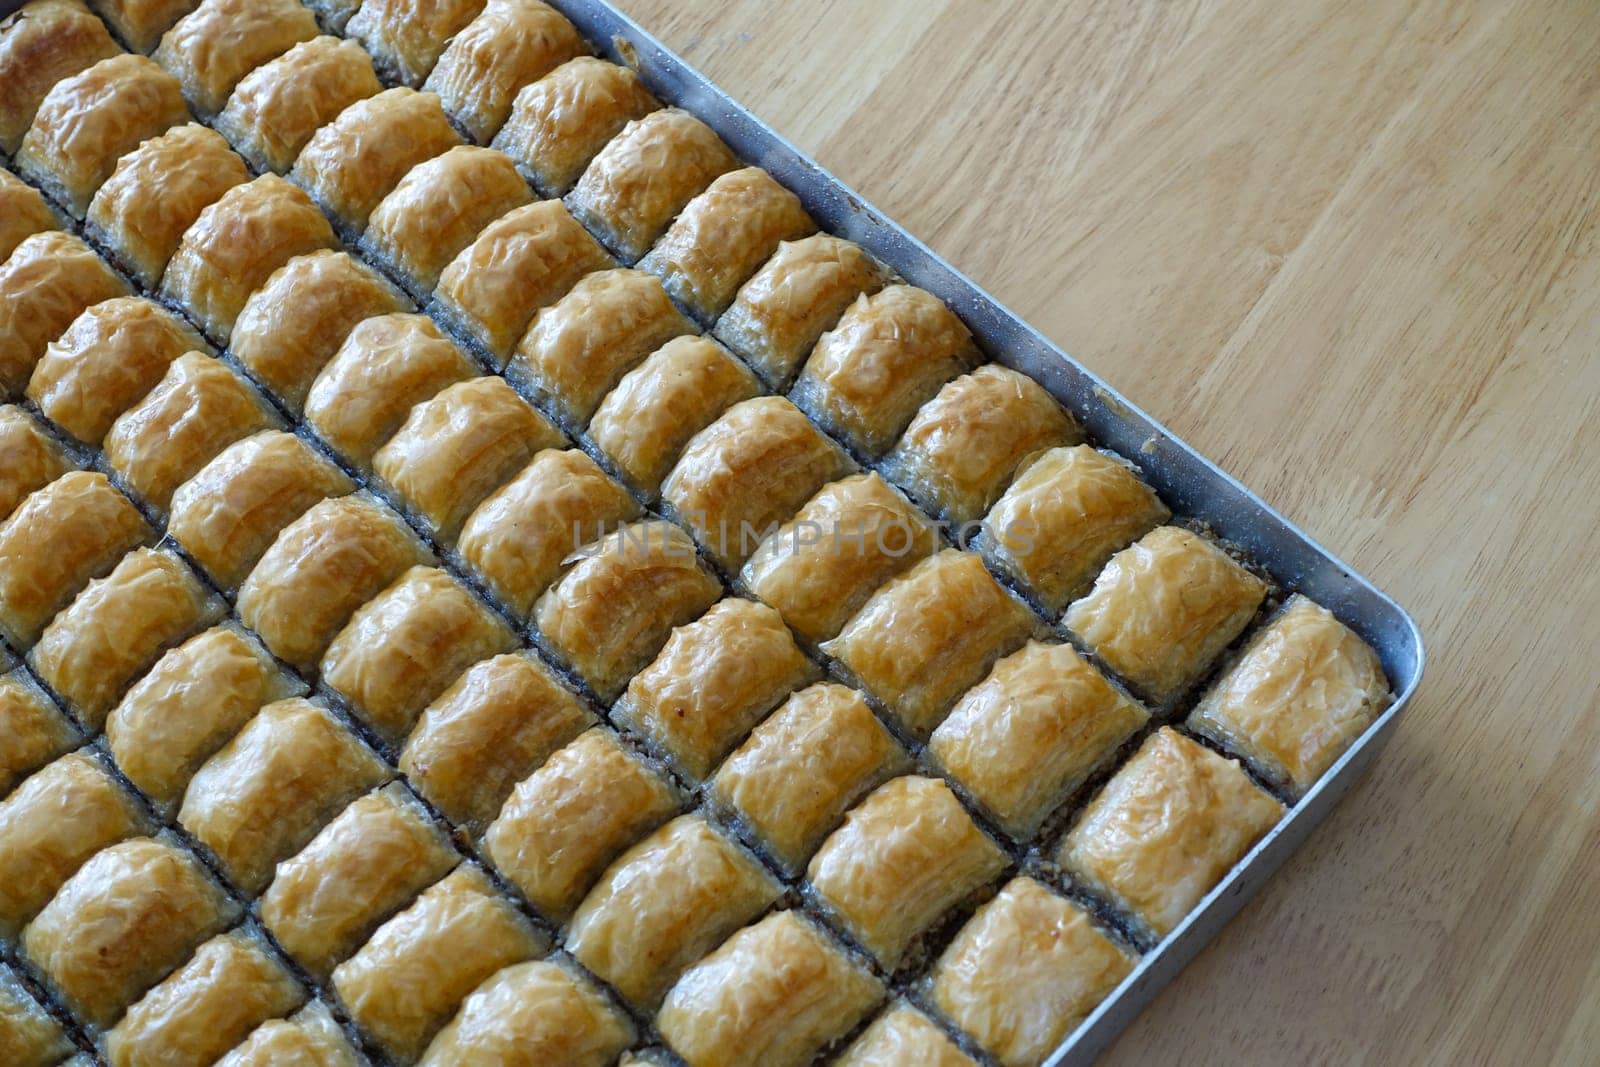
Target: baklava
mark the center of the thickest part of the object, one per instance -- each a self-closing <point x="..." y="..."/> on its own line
<point x="33" y="731"/>
<point x="904" y="1037"/>
<point x="509" y="45"/>
<point x="221" y="41"/>
<point x="43" y="42"/>
<point x="277" y="108"/>
<point x="406" y="37"/>
<point x="142" y="22"/>
<point x="50" y="279"/>
<point x="29" y="1035"/>
<point x="561" y="122"/>
<point x="30" y="458"/>
<point x="23" y="213"/>
<point x="312" y="1037"/>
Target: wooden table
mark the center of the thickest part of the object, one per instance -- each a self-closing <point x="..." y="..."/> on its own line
<point x="1351" y="251"/>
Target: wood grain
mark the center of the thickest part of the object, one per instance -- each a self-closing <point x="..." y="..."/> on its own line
<point x="1351" y="251"/>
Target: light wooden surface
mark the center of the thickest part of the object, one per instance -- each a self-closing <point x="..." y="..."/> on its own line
<point x="1352" y="252"/>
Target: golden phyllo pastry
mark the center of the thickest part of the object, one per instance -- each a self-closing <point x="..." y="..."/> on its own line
<point x="1025" y="971"/>
<point x="792" y="781"/>
<point x="276" y="108"/>
<point x="23" y="213"/>
<point x="117" y="627"/>
<point x="49" y="280"/>
<point x="312" y="1038"/>
<point x="1303" y="691"/>
<point x="904" y="1037"/>
<point x="127" y="918"/>
<point x="531" y="1015"/>
<point x="54" y="821"/>
<point x="157" y="192"/>
<point x="560" y="122"/>
<point x="512" y="43"/>
<point x="30" y="458"/>
<point x="365" y="865"/>
<point x="407" y="37"/>
<point x="776" y="993"/>
<point x="406" y="983"/>
<point x="74" y="529"/>
<point x="43" y="42"/>
<point x="231" y="511"/>
<point x="645" y="176"/>
<point x="236" y="244"/>
<point x="406" y="645"/>
<point x="459" y="447"/>
<point x="142" y="22"/>
<point x="232" y="983"/>
<point x="201" y="407"/>
<point x="644" y="423"/>
<point x="1167" y="827"/>
<point x="221" y="41"/>
<point x="523" y="261"/>
<point x="904" y="857"/>
<point x="29" y="1035"/>
<point x="579" y="347"/>
<point x="91" y="120"/>
<point x="190" y="704"/>
<point x="1066" y="514"/>
<point x="715" y="679"/>
<point x="293" y="325"/>
<point x="819" y="568"/>
<point x="494" y="726"/>
<point x="930" y="634"/>
<point x="267" y="792"/>
<point x="664" y="904"/>
<point x="1164" y="608"/>
<point x="1026" y="737"/>
<point x="353" y="162"/>
<point x="385" y="366"/>
<point x="747" y="472"/>
<point x="567" y="820"/>
<point x="33" y="731"/>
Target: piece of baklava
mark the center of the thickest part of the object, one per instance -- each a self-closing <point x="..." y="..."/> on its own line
<point x="664" y="904"/>
<point x="201" y="407"/>
<point x="518" y="539"/>
<point x="509" y="45"/>
<point x="29" y="1035"/>
<point x="196" y="698"/>
<point x="1164" y="609"/>
<point x="30" y="458"/>
<point x="1026" y="737"/>
<point x="406" y="645"/>
<point x="333" y="14"/>
<point x="523" y="261"/>
<point x="565" y="822"/>
<point x="33" y="731"/>
<point x="530" y="1015"/>
<point x="615" y="607"/>
<point x="820" y="567"/>
<point x="294" y="324"/>
<point x="579" y="347"/>
<point x="111" y="356"/>
<point x="91" y="120"/>
<point x="723" y="237"/>
<point x="1066" y="514"/>
<point x="157" y="192"/>
<point x="230" y="512"/>
<point x="311" y="1038"/>
<point x="904" y="857"/>
<point x="904" y="1037"/>
<point x="406" y="37"/>
<point x="117" y="627"/>
<point x="715" y="679"/>
<point x="438" y="209"/>
<point x="232" y="984"/>
<point x="276" y="108"/>
<point x="236" y="244"/>
<point x="457" y="448"/>
<point x="353" y="162"/>
<point x="385" y="366"/>
<point x="409" y="979"/>
<point x="267" y="792"/>
<point x="221" y="41"/>
<point x="644" y="423"/>
<point x="127" y="918"/>
<point x="74" y="529"/>
<point x="368" y="863"/>
<point x="747" y="472"/>
<point x="142" y="22"/>
<point x="1304" y="690"/>
<point x="1025" y="971"/>
<point x="493" y="727"/>
<point x="776" y="993"/>
<point x="1167" y="827"/>
<point x="930" y="634"/>
<point x="43" y="42"/>
<point x="792" y="781"/>
<point x="54" y="821"/>
<point x="48" y="281"/>
<point x="561" y="122"/>
<point x="23" y="213"/>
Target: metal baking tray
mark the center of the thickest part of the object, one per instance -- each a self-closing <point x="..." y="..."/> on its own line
<point x="1190" y="484"/>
